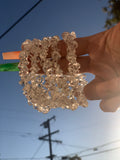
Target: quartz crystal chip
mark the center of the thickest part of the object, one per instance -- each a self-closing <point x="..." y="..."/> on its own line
<point x="74" y="68"/>
<point x="65" y="35"/>
<point x="56" y="56"/>
<point x="53" y="89"/>
<point x="37" y="42"/>
<point x="27" y="45"/>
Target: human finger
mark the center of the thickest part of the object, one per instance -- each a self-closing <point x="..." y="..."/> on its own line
<point x="110" y="105"/>
<point x="84" y="44"/>
<point x="83" y="47"/>
<point x="83" y="60"/>
<point x="63" y="63"/>
<point x="90" y="89"/>
<point x="102" y="70"/>
<point x="98" y="89"/>
<point x="62" y="46"/>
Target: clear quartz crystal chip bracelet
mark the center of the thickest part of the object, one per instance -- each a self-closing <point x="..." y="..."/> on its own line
<point x="53" y="89"/>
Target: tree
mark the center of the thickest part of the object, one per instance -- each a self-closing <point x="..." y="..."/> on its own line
<point x="113" y="13"/>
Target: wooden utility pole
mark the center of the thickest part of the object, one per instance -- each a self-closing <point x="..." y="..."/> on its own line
<point x="46" y="124"/>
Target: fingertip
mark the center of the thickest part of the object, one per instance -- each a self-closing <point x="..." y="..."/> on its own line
<point x="107" y="107"/>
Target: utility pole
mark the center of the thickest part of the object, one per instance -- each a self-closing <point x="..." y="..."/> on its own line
<point x="46" y="124"/>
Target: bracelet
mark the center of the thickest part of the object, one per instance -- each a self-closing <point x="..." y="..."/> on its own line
<point x="52" y="89"/>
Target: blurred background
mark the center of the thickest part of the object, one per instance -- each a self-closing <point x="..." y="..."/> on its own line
<point x="87" y="133"/>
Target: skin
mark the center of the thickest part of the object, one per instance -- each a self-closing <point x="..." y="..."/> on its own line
<point x="102" y="60"/>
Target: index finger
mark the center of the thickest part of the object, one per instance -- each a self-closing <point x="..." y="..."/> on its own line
<point x="82" y="49"/>
<point x="84" y="44"/>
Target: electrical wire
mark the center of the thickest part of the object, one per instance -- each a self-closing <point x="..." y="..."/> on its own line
<point x="109" y="143"/>
<point x="23" y="16"/>
<point x="91" y="154"/>
<point x="96" y="147"/>
<point x="37" y="150"/>
<point x="16" y="133"/>
<point x="104" y="151"/>
<point x="74" y="146"/>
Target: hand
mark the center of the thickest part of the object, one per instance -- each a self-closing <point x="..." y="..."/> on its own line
<point x="104" y="62"/>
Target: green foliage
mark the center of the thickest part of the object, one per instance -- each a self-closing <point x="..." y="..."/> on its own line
<point x="113" y="13"/>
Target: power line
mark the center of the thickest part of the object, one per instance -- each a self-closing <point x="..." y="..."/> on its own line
<point x="74" y="146"/>
<point x="92" y="154"/>
<point x="104" y="151"/>
<point x="37" y="150"/>
<point x="109" y="143"/>
<point x="23" y="16"/>
<point x="17" y="133"/>
<point x="96" y="148"/>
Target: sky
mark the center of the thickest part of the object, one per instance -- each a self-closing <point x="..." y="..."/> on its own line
<point x="81" y="130"/>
